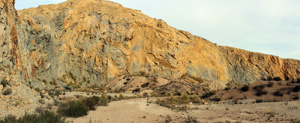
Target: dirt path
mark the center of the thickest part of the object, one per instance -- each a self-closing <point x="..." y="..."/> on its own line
<point x="137" y="111"/>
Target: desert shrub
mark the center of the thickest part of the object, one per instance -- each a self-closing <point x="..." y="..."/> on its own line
<point x="73" y="109"/>
<point x="49" y="106"/>
<point x="39" y="109"/>
<point x="259" y="101"/>
<point x="45" y="81"/>
<point x="9" y="119"/>
<point x="37" y="89"/>
<point x="245" y="88"/>
<point x="269" y="78"/>
<point x="208" y="94"/>
<point x="7" y="91"/>
<point x="41" y="101"/>
<point x="196" y="99"/>
<point x="168" y="119"/>
<point x="287" y="78"/>
<point x="296" y="88"/>
<point x="258" y="87"/>
<point x="121" y="96"/>
<point x="145" y="85"/>
<point x="185" y="97"/>
<point x="260" y="90"/>
<point x="68" y="87"/>
<point x="43" y="117"/>
<point x="72" y="76"/>
<point x="278" y="93"/>
<point x="4" y="82"/>
<point x="277" y="79"/>
<point x="270" y="84"/>
<point x="216" y="99"/>
<point x="104" y="100"/>
<point x="191" y="120"/>
<point x="227" y="88"/>
<point x="91" y="102"/>
<point x="296" y="97"/>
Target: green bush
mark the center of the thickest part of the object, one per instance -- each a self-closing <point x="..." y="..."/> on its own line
<point x="4" y="82"/>
<point x="7" y="91"/>
<point x="245" y="88"/>
<point x="73" y="109"/>
<point x="44" y="117"/>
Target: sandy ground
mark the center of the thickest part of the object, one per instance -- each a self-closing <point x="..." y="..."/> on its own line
<point x="137" y="111"/>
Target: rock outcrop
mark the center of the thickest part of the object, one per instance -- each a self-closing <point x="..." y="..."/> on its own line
<point x="94" y="41"/>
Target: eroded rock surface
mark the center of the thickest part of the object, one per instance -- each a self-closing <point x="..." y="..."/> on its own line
<point x="95" y="41"/>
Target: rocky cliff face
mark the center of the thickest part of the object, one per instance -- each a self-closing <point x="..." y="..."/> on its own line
<point x="95" y="41"/>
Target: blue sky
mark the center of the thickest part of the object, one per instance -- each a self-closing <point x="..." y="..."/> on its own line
<point x="267" y="26"/>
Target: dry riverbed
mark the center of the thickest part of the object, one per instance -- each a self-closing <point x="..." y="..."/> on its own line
<point x="138" y="111"/>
